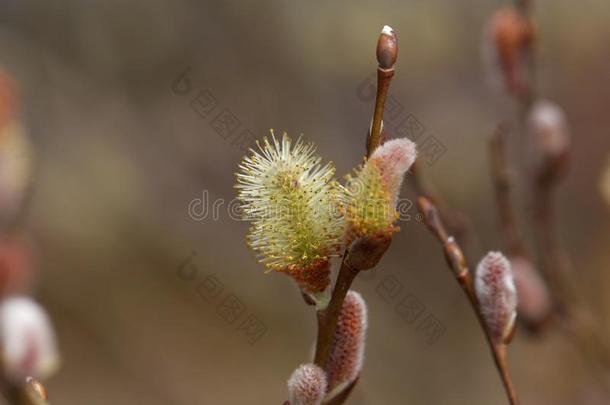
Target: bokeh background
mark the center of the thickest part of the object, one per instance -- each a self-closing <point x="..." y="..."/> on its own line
<point x="121" y="154"/>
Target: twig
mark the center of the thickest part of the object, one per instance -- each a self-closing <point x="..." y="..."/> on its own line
<point x="457" y="264"/>
<point x="575" y="313"/>
<point x="458" y="223"/>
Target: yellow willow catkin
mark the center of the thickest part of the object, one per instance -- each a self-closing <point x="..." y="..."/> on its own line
<point x="292" y="202"/>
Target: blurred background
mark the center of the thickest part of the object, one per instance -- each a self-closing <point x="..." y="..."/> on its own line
<point x="139" y="112"/>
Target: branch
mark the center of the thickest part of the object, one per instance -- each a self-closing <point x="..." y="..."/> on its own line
<point x="457" y="264"/>
<point x="327" y="318"/>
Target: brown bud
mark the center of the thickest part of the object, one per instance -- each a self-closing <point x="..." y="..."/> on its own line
<point x="387" y="48"/>
<point x="365" y="252"/>
<point x="510" y="34"/>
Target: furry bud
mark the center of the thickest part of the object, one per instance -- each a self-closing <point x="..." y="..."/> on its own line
<point x="307" y="385"/>
<point x="27" y="340"/>
<point x="373" y="193"/>
<point x="548" y="126"/>
<point x="347" y="351"/>
<point x="497" y="295"/>
<point x="393" y="159"/>
<point x="534" y="304"/>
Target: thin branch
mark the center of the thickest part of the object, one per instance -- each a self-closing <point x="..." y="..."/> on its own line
<point x="458" y="223"/>
<point x="387" y="53"/>
<point x="457" y="264"/>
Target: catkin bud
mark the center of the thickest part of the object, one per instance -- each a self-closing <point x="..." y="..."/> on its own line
<point x="547" y="126"/>
<point x="393" y="159"/>
<point x="27" y="340"/>
<point x="373" y="193"/>
<point x="534" y="304"/>
<point x="497" y="295"/>
<point x="347" y="351"/>
<point x="307" y="385"/>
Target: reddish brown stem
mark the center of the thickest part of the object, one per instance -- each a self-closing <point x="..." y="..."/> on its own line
<point x="384" y="77"/>
<point x="502" y="181"/>
<point x="327" y="318"/>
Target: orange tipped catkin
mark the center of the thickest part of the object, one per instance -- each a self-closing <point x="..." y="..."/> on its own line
<point x="347" y="352"/>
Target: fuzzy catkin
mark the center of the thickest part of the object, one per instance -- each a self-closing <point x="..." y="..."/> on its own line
<point x="373" y="192"/>
<point x="307" y="385"/>
<point x="292" y="202"/>
<point x="27" y="340"/>
<point x="495" y="290"/>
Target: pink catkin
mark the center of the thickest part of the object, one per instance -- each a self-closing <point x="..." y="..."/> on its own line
<point x="394" y="158"/>
<point x="497" y="295"/>
<point x="307" y="385"/>
<point x="347" y="352"/>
